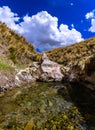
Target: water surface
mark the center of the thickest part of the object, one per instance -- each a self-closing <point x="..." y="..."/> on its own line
<point x="48" y="106"/>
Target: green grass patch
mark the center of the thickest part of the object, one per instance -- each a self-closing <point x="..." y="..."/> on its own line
<point x="5" y="66"/>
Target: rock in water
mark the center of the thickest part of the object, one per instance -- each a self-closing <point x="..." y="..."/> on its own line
<point x="50" y="70"/>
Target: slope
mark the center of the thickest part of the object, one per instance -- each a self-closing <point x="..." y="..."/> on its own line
<point x="74" y="53"/>
<point x="15" y="49"/>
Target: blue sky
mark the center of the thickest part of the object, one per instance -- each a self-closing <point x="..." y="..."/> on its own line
<point x="50" y="23"/>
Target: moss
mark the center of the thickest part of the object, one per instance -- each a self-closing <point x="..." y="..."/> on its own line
<point x="29" y="125"/>
<point x="69" y="120"/>
<point x="1" y="129"/>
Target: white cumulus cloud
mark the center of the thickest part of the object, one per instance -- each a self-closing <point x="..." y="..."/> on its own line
<point x="41" y="29"/>
<point x="91" y="16"/>
<point x="92" y="28"/>
<point x="8" y="17"/>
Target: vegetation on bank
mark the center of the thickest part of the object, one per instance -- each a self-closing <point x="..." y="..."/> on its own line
<point x="74" y="53"/>
<point x="5" y="66"/>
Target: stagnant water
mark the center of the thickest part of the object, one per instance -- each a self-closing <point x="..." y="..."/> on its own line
<point x="48" y="106"/>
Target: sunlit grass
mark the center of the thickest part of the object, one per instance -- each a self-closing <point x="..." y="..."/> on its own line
<point x="5" y="66"/>
<point x="74" y="53"/>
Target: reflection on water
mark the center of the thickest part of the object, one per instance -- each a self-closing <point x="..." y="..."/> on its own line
<point x="47" y="106"/>
<point x="83" y="98"/>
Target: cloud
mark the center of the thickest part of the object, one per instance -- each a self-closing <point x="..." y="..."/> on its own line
<point x="8" y="17"/>
<point x="91" y="16"/>
<point x="92" y="28"/>
<point x="67" y="36"/>
<point x="41" y="29"/>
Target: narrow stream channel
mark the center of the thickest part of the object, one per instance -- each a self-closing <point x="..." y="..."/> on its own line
<point x="48" y="106"/>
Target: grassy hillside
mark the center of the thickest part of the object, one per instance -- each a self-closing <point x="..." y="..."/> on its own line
<point x="14" y="49"/>
<point x="74" y="53"/>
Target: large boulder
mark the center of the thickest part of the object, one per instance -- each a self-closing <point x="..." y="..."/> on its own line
<point x="50" y="70"/>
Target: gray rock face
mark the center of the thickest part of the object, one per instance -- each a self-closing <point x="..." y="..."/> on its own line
<point x="50" y="70"/>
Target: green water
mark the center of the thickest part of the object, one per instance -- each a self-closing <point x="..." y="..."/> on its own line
<point x="46" y="106"/>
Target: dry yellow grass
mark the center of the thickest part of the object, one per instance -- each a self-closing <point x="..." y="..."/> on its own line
<point x="15" y="47"/>
<point x="73" y="53"/>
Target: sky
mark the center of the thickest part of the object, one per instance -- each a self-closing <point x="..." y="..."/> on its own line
<point x="49" y="24"/>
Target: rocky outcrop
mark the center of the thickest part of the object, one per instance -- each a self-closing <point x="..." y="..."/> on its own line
<point x="82" y="70"/>
<point x="50" y="70"/>
<point x="46" y="71"/>
<point x="23" y="76"/>
<point x="27" y="75"/>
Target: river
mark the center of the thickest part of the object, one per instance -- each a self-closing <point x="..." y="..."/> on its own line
<point x="48" y="106"/>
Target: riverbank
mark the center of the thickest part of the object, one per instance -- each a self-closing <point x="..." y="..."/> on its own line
<point x="7" y="80"/>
